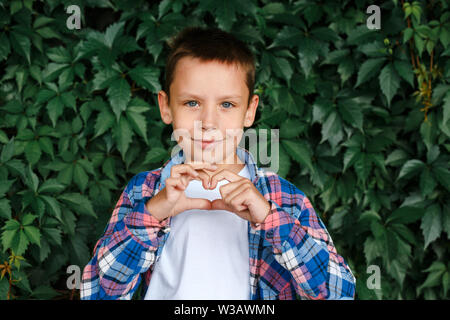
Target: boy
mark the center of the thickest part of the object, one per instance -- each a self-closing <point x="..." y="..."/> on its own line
<point x="210" y="224"/>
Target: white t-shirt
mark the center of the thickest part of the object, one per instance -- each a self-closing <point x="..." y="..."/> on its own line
<point x="206" y="256"/>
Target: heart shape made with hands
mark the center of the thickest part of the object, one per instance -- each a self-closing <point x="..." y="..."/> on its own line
<point x="239" y="196"/>
<point x="210" y="182"/>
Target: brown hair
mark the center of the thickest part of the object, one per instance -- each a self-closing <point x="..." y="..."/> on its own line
<point x="209" y="44"/>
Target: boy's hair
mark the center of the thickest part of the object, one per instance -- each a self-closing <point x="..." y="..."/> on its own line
<point x="209" y="44"/>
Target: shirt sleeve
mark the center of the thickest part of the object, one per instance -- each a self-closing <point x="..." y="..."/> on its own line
<point x="127" y="247"/>
<point x="302" y="245"/>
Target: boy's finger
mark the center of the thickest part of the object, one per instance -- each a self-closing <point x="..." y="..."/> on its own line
<point x="177" y="170"/>
<point x="219" y="204"/>
<point x="173" y="183"/>
<point x="197" y="203"/>
<point x="202" y="165"/>
<point x="224" y="174"/>
<point x="239" y="189"/>
<point x="204" y="177"/>
<point x="230" y="187"/>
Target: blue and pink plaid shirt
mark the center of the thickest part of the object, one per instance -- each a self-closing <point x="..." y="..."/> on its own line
<point x="292" y="256"/>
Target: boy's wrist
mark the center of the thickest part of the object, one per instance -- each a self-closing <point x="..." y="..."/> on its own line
<point x="151" y="208"/>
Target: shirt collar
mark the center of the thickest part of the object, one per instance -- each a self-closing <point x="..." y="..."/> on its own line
<point x="243" y="154"/>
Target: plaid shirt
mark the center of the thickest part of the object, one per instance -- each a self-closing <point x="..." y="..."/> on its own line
<point x="291" y="254"/>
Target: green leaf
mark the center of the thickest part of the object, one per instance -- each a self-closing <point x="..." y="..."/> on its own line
<point x="112" y="32"/>
<point x="442" y="175"/>
<point x="405" y="70"/>
<point x="7" y="151"/>
<point x="28" y="219"/>
<point x="105" y="120"/>
<point x="4" y="288"/>
<point x="123" y="136"/>
<point x="419" y="43"/>
<point x="446" y="108"/>
<point x="351" y="113"/>
<point x="53" y="206"/>
<point x="45" y="95"/>
<point x="389" y="82"/>
<point x="138" y="123"/>
<point x="155" y="155"/>
<point x="119" y="95"/>
<point x="346" y="69"/>
<point x="288" y="36"/>
<point x="433" y="279"/>
<point x="332" y="126"/>
<point x="21" y="44"/>
<point x="33" y="235"/>
<point x="436" y="266"/>
<point x="363" y="166"/>
<point x="431" y="224"/>
<point x="405" y="215"/>
<point x="369" y="69"/>
<point x="5" y="209"/>
<point x="108" y="168"/>
<point x="69" y="100"/>
<point x="446" y="282"/>
<point x="308" y="54"/>
<point x="407" y="34"/>
<point x="78" y="203"/>
<point x="53" y="70"/>
<point x="432" y="154"/>
<point x="10" y="230"/>
<point x="33" y="152"/>
<point x="31" y="179"/>
<point x="427" y="182"/>
<point x="299" y="152"/>
<point x="46" y="145"/>
<point x="41" y="21"/>
<point x="14" y="238"/>
<point x="53" y="235"/>
<point x="51" y="186"/>
<point x="5" y="48"/>
<point x="147" y="78"/>
<point x="80" y="177"/>
<point x="350" y="157"/>
<point x="55" y="109"/>
<point x="281" y="68"/>
<point x="44" y="292"/>
<point x="410" y="168"/>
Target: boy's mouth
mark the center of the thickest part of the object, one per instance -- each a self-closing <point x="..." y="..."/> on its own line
<point x="206" y="143"/>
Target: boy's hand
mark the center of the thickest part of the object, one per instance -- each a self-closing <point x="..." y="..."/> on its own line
<point x="171" y="200"/>
<point x="240" y="196"/>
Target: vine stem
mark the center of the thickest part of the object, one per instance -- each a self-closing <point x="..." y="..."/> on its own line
<point x="411" y="51"/>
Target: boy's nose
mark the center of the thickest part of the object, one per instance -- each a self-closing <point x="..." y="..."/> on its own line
<point x="209" y="118"/>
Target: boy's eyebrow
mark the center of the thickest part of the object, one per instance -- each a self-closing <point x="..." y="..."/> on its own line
<point x="189" y="95"/>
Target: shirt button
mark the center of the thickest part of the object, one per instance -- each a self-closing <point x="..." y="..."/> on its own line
<point x="166" y="229"/>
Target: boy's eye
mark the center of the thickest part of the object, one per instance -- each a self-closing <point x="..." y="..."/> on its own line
<point x="227" y="105"/>
<point x="191" y="103"/>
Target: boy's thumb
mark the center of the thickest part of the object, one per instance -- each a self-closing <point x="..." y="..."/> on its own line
<point x="197" y="203"/>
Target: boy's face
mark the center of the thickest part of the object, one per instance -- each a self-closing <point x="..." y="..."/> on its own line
<point x="208" y="101"/>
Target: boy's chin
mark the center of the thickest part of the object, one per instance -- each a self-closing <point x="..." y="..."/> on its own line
<point x="211" y="155"/>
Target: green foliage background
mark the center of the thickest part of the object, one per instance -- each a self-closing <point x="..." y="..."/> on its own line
<point x="363" y="117"/>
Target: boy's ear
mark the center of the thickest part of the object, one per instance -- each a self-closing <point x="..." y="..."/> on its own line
<point x="164" y="109"/>
<point x="251" y="111"/>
